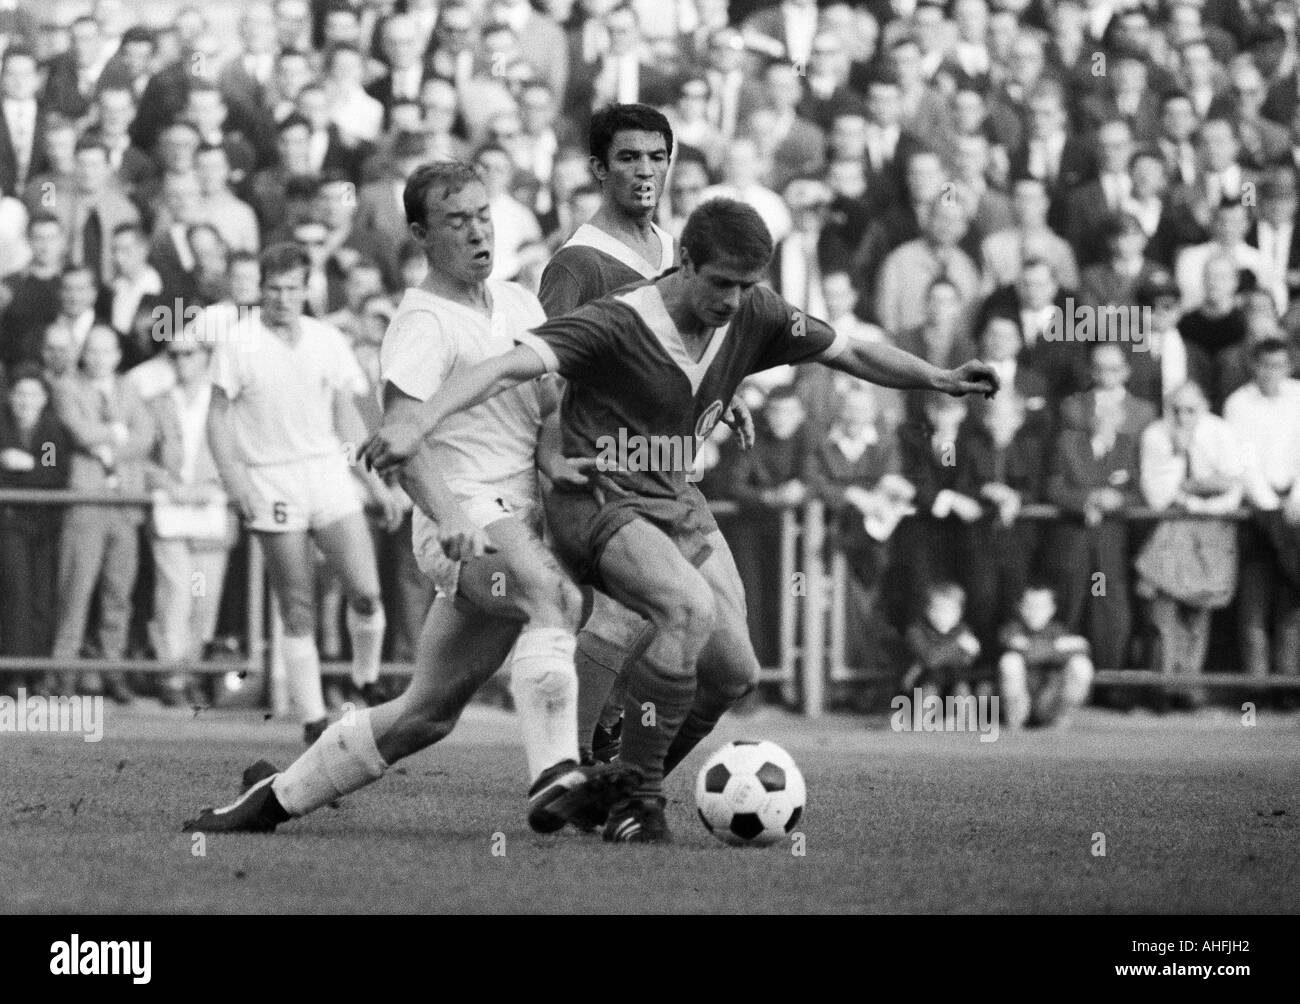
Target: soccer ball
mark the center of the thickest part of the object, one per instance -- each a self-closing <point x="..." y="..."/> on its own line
<point x="750" y="793"/>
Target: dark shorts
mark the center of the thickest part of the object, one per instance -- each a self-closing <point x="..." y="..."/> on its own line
<point x="583" y="522"/>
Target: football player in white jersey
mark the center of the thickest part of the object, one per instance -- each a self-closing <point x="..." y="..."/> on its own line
<point x="283" y="408"/>
<point x="477" y="534"/>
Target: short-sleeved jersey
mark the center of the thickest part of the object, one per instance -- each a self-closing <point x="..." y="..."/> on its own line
<point x="430" y="340"/>
<point x="282" y="395"/>
<point x="592" y="264"/>
<point x="630" y="376"/>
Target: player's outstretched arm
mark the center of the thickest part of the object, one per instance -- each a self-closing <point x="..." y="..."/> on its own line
<point x="221" y="440"/>
<point x="892" y="367"/>
<point x="399" y="439"/>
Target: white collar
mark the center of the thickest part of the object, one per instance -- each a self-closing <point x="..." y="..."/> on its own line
<point x="588" y="236"/>
<point x="649" y="305"/>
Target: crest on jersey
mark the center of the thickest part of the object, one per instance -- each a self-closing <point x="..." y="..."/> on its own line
<point x="800" y="326"/>
<point x="707" y="421"/>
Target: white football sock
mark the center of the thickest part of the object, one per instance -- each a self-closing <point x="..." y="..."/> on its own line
<point x="367" y="634"/>
<point x="342" y="760"/>
<point x="302" y="666"/>
<point x="545" y="688"/>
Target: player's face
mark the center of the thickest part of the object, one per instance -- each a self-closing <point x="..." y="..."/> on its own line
<point x="283" y="297"/>
<point x="634" y="173"/>
<point x="459" y="235"/>
<point x="715" y="290"/>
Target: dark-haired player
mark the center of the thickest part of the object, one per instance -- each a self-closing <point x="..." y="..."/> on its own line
<point x="654" y="366"/>
<point x="501" y="592"/>
<point x="630" y="147"/>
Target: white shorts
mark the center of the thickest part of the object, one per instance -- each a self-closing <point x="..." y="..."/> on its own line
<point x="303" y="494"/>
<point x="482" y="510"/>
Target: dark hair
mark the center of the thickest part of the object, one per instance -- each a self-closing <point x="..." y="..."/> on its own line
<point x="28" y="371"/>
<point x="449" y="176"/>
<point x="409" y="251"/>
<point x="92" y="141"/>
<point x="135" y="229"/>
<point x="613" y="119"/>
<point x="292" y="121"/>
<point x="727" y="228"/>
<point x="338" y="47"/>
<point x="1266" y="347"/>
<point x="946" y="588"/>
<point x="16" y="52"/>
<point x="43" y="216"/>
<point x="137" y="33"/>
<point x="200" y="86"/>
<point x="1036" y="584"/>
<point x="283" y="257"/>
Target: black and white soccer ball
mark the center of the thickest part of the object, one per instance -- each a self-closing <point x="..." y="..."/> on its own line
<point x="750" y="793"/>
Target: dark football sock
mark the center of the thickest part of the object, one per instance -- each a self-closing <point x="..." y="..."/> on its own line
<point x="656" y="707"/>
<point x="701" y="720"/>
<point x="598" y="663"/>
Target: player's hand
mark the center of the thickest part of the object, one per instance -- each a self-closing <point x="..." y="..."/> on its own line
<point x="572" y="472"/>
<point x="246" y="500"/>
<point x="390" y="447"/>
<point x="461" y="540"/>
<point x="738" y="416"/>
<point x="390" y="506"/>
<point x="974" y="377"/>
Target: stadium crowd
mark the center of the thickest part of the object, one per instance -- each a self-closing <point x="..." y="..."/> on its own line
<point x="1097" y="196"/>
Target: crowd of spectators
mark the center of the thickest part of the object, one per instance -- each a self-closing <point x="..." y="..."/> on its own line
<point x="960" y="179"/>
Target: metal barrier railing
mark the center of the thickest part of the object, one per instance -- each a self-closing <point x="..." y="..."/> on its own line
<point x="812" y="624"/>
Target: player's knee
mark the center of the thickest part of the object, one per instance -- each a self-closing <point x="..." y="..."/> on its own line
<point x="551" y="601"/>
<point x="689" y="613"/>
<point x="299" y="616"/>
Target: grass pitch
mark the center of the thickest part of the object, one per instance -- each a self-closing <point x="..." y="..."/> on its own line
<point x="1199" y="814"/>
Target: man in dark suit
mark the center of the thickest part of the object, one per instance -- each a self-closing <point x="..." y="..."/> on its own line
<point x="795" y="146"/>
<point x="1277" y="237"/>
<point x="1115" y="281"/>
<point x="22" y="120"/>
<point x="1093" y="475"/>
<point x="1090" y="206"/>
<point x="115" y="108"/>
<point x="404" y="58"/>
<point x="828" y="92"/>
<point x="1110" y="371"/>
<point x="999" y="456"/>
<point x="94" y="209"/>
<point x="888" y="147"/>
<point x="1050" y="152"/>
<point x="169" y="251"/>
<point x="1037" y="301"/>
<point x="71" y="77"/>
<point x="29" y="301"/>
<point x="1126" y="96"/>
